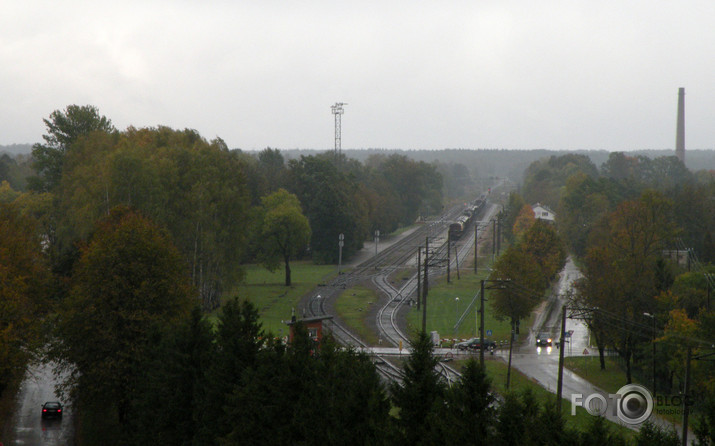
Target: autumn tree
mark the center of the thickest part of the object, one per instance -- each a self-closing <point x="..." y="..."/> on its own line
<point x="522" y="284"/>
<point x="524" y="219"/>
<point x="129" y="283"/>
<point x="511" y="212"/>
<point x="64" y="128"/>
<point x="543" y="244"/>
<point x="622" y="264"/>
<point x="193" y="187"/>
<point x="23" y="283"/>
<point x="584" y="202"/>
<point x="284" y="231"/>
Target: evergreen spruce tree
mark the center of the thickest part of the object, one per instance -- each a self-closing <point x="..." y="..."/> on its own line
<point x="469" y="414"/>
<point x="238" y="341"/>
<point x="166" y="401"/>
<point x="419" y="394"/>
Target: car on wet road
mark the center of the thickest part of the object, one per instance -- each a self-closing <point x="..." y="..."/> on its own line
<point x="52" y="409"/>
<point x="476" y="344"/>
<point x="543" y="340"/>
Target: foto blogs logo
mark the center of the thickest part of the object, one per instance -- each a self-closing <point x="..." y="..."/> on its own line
<point x="633" y="404"/>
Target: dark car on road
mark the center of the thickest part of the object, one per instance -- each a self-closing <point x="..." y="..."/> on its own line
<point x="543" y="340"/>
<point x="52" y="409"/>
<point x="476" y="344"/>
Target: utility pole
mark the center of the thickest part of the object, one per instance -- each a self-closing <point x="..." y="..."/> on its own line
<point x="456" y="317"/>
<point x="425" y="287"/>
<point x="560" y="384"/>
<point x="338" y="111"/>
<point x="511" y="344"/>
<point x="341" y="243"/>
<point x="476" y="244"/>
<point x="449" y="245"/>
<point x="456" y="258"/>
<point x="494" y="238"/>
<point x="481" y="324"/>
<point x="419" y="282"/>
<point x="377" y="240"/>
<point x="686" y="390"/>
<point x="652" y="316"/>
<point x="498" y="233"/>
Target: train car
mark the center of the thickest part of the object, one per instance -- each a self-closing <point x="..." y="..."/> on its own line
<point x="455" y="230"/>
<point x="462" y="223"/>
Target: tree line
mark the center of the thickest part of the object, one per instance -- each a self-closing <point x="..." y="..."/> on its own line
<point x="218" y="204"/>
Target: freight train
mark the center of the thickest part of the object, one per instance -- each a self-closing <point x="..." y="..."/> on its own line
<point x="470" y="213"/>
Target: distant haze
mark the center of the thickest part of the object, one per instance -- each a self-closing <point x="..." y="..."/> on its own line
<point x="557" y="75"/>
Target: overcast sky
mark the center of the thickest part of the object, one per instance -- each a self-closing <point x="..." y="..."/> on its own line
<point x="415" y="74"/>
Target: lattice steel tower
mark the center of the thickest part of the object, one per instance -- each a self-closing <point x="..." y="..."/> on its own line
<point x="338" y="111"/>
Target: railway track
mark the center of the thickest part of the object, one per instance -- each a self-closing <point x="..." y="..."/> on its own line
<point x="396" y="297"/>
<point x="376" y="270"/>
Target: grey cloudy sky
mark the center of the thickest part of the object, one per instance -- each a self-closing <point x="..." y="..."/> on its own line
<point x="416" y="74"/>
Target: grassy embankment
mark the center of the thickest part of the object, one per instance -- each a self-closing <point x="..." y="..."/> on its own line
<point x="273" y="299"/>
<point x="443" y="310"/>
<point x="613" y="378"/>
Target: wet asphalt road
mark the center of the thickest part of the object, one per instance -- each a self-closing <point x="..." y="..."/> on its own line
<point x="542" y="364"/>
<point x="27" y="426"/>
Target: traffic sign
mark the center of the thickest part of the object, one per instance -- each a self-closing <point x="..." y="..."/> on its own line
<point x="489" y="332"/>
<point x="585" y="351"/>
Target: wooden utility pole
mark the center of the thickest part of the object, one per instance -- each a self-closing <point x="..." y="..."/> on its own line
<point x="449" y="245"/>
<point x="481" y="324"/>
<point x="560" y="384"/>
<point x="686" y="400"/>
<point x="498" y="233"/>
<point x="425" y="287"/>
<point x="419" y="282"/>
<point x="511" y="344"/>
<point x="456" y="259"/>
<point x="494" y="237"/>
<point x="476" y="244"/>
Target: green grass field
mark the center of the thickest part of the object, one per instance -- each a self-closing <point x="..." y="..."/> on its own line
<point x="443" y="310"/>
<point x="270" y="295"/>
<point x="613" y="378"/>
<point x="353" y="306"/>
<point x="589" y="368"/>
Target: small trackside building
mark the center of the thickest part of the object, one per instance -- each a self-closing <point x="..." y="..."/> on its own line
<point x="314" y="326"/>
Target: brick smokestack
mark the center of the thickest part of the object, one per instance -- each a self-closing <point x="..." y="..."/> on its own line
<point x="680" y="131"/>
